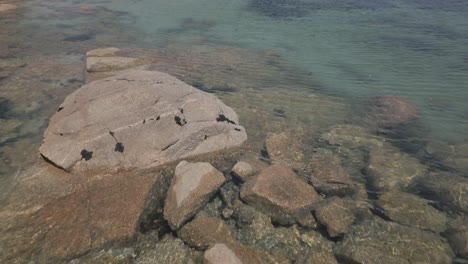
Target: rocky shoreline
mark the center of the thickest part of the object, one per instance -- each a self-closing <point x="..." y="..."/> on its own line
<point x="109" y="191"/>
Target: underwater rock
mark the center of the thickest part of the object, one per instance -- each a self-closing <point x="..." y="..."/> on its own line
<point x="204" y="232"/>
<point x="109" y="64"/>
<point x="379" y="241"/>
<point x="448" y="189"/>
<point x="390" y="169"/>
<point x="231" y="253"/>
<point x="192" y="186"/>
<point x="117" y="256"/>
<point x="110" y="124"/>
<point x="335" y="214"/>
<point x="169" y="250"/>
<point x="457" y="235"/>
<point x="284" y="147"/>
<point x="411" y="210"/>
<point x="7" y="8"/>
<point x="329" y="177"/>
<point x="317" y="257"/>
<point x="103" y="52"/>
<point x="243" y="170"/>
<point x="281" y="194"/>
<point x="454" y="157"/>
<point x="390" y="111"/>
<point x="352" y="136"/>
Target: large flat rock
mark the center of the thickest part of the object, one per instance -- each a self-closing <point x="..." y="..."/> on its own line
<point x="139" y="119"/>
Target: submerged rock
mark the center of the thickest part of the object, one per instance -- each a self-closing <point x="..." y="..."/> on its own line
<point x="336" y="215"/>
<point x="448" y="189"/>
<point x="279" y="193"/>
<point x="457" y="235"/>
<point x="7" y="8"/>
<point x="390" y="111"/>
<point x="235" y="254"/>
<point x="285" y="148"/>
<point x="204" y="232"/>
<point x="454" y="157"/>
<point x="329" y="177"/>
<point x="103" y="52"/>
<point x="192" y="186"/>
<point x="379" y="241"/>
<point x="89" y="132"/>
<point x="243" y="170"/>
<point x="411" y="210"/>
<point x="169" y="250"/>
<point x="391" y="169"/>
<point x="352" y="136"/>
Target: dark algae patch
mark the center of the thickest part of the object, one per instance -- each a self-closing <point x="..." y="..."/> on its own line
<point x="86" y="155"/>
<point x="119" y="147"/>
<point x="223" y="118"/>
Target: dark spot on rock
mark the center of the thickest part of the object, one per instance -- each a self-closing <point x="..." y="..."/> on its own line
<point x="279" y="112"/>
<point x="60" y="109"/>
<point x="157" y="118"/>
<point x="119" y="147"/>
<point x="180" y="121"/>
<point x="61" y="134"/>
<point x="144" y="121"/>
<point x="182" y="110"/>
<point x="223" y="118"/>
<point x="5" y="108"/>
<point x="86" y="155"/>
<point x="111" y="133"/>
<point x="237" y="129"/>
<point x="206" y="136"/>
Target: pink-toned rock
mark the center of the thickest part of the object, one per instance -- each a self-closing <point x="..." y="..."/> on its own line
<point x="243" y="170"/>
<point x="329" y="177"/>
<point x="336" y="215"/>
<point x="391" y="111"/>
<point x="205" y="231"/>
<point x="139" y="119"/>
<point x="7" y="8"/>
<point x="191" y="188"/>
<point x="102" y="52"/>
<point x="278" y="192"/>
<point x="284" y="147"/>
<point x="235" y="254"/>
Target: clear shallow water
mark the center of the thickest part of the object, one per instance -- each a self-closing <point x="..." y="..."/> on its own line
<point x="301" y="65"/>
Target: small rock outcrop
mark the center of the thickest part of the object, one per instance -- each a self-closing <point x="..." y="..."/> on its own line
<point x="243" y="170"/>
<point x="379" y="241"/>
<point x="329" y="177"/>
<point x="336" y="215"/>
<point x="411" y="210"/>
<point x="235" y="254"/>
<point x="139" y="119"/>
<point x="278" y="192"/>
<point x="390" y="111"/>
<point x="205" y="231"/>
<point x="192" y="186"/>
<point x="283" y="147"/>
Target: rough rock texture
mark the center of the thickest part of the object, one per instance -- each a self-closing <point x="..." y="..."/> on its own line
<point x="335" y="214"/>
<point x="390" y="169"/>
<point x="411" y="210"/>
<point x="286" y="148"/>
<point x="320" y="257"/>
<point x="243" y="170"/>
<point x="103" y="52"/>
<point x="89" y="132"/>
<point x="278" y="192"/>
<point x="457" y="235"/>
<point x="115" y="255"/>
<point x="107" y="64"/>
<point x="169" y="250"/>
<point x="352" y="136"/>
<point x="192" y="186"/>
<point x="7" y="8"/>
<point x="235" y="254"/>
<point x="204" y="232"/>
<point x="329" y="177"/>
<point x="379" y="241"/>
<point x="448" y="189"/>
<point x="390" y="111"/>
<point x="454" y="157"/>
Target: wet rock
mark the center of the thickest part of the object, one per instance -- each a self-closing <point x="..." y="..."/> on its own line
<point x="336" y="215"/>
<point x="448" y="189"/>
<point x="87" y="127"/>
<point x="204" y="232"/>
<point x="284" y="147"/>
<point x="243" y="170"/>
<point x="379" y="241"/>
<point x="4" y="8"/>
<point x="457" y="235"/>
<point x="103" y="52"/>
<point x="279" y="193"/>
<point x="329" y="177"/>
<point x="320" y="257"/>
<point x="454" y="157"/>
<point x="235" y="254"/>
<point x="109" y="64"/>
<point x="244" y="214"/>
<point x="390" y="169"/>
<point x="411" y="210"/>
<point x="390" y="111"/>
<point x="191" y="188"/>
<point x="169" y="250"/>
<point x="229" y="193"/>
<point x="352" y="136"/>
<point x="117" y="256"/>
